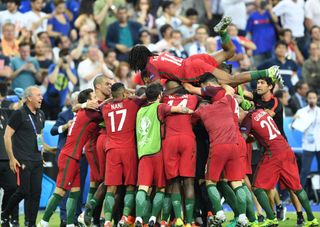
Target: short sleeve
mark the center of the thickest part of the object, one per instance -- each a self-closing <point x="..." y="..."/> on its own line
<point x="279" y="9"/>
<point x="13" y="65"/>
<point x="163" y="111"/>
<point x="15" y="119"/>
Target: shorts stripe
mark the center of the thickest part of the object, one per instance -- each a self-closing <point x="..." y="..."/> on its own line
<point x="65" y="172"/>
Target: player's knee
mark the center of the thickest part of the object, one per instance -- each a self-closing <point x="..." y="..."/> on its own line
<point x="60" y="191"/>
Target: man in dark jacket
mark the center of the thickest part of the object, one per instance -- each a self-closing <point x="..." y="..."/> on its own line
<point x="123" y="34"/>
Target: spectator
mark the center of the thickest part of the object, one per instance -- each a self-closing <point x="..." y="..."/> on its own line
<point x="110" y="58"/>
<point x="45" y="38"/>
<point x="315" y="35"/>
<point x="169" y="16"/>
<point x="105" y="14"/>
<point x="211" y="45"/>
<point x="214" y="13"/>
<point x="25" y="36"/>
<point x="12" y="15"/>
<point x="60" y="75"/>
<point x="177" y="48"/>
<point x="311" y="67"/>
<point x="5" y="70"/>
<point x="144" y="17"/>
<point x="291" y="13"/>
<point x="236" y="9"/>
<point x="288" y="68"/>
<point x="24" y="146"/>
<point x="239" y="54"/>
<point x="293" y="51"/>
<point x="184" y="5"/>
<point x="9" y="44"/>
<point x="312" y="13"/>
<point x="311" y="136"/>
<point x="91" y="67"/>
<point x="199" y="45"/>
<point x="35" y="20"/>
<point x="62" y="42"/>
<point x="145" y="39"/>
<point x="299" y="99"/>
<point x="86" y="17"/>
<point x="25" y="68"/>
<point x="164" y="44"/>
<point x="189" y="31"/>
<point x="123" y="74"/>
<point x="59" y="24"/>
<point x="260" y="25"/>
<point x="124" y="35"/>
<point x="41" y="57"/>
<point x="283" y="97"/>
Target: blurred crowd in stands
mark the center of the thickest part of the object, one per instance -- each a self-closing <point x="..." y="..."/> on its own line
<point x="62" y="45"/>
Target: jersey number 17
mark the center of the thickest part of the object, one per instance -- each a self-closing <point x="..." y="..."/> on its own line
<point x="123" y="114"/>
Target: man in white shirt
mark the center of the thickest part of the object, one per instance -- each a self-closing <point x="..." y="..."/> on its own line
<point x="311" y="136"/>
<point x="291" y="13"/>
<point x="91" y="67"/>
<point x="199" y="45"/>
<point x="312" y="13"/>
<point x="35" y="20"/>
<point x="236" y="9"/>
<point x="169" y="16"/>
<point x="12" y="15"/>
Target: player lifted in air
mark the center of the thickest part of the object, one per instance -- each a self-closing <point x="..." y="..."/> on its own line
<point x="166" y="66"/>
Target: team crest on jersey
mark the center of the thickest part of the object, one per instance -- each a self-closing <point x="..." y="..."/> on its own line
<point x="143" y="130"/>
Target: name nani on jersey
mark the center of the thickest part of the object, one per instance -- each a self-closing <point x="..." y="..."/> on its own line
<point x="117" y="106"/>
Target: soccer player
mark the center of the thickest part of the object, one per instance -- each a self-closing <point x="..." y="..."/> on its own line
<point x="218" y="119"/>
<point x="179" y="150"/>
<point x="68" y="178"/>
<point x="278" y="163"/>
<point x="167" y="66"/>
<point x="149" y="131"/>
<point x="95" y="154"/>
<point x="121" y="160"/>
<point x="264" y="99"/>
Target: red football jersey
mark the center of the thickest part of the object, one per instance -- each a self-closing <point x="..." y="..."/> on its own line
<point x="218" y="119"/>
<point x="120" y="119"/>
<point x="216" y="93"/>
<point x="85" y="122"/>
<point x="265" y="130"/>
<point x="180" y="123"/>
<point x="165" y="66"/>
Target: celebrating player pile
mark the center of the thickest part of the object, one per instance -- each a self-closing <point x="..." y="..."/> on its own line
<point x="150" y="150"/>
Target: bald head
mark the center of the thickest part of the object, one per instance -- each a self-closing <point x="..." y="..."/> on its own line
<point x="171" y="84"/>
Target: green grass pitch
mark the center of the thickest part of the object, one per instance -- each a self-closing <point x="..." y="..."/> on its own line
<point x="290" y="222"/>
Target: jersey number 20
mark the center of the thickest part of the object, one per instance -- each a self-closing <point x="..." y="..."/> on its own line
<point x="272" y="129"/>
<point x="123" y="117"/>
